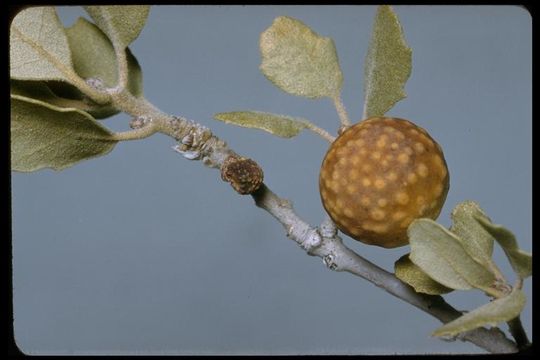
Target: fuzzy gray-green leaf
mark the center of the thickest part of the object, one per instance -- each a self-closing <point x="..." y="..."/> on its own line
<point x="38" y="46"/>
<point x="43" y="135"/>
<point x="94" y="57"/>
<point x="520" y="260"/>
<point x="497" y="311"/>
<point x="441" y="255"/>
<point x="411" y="274"/>
<point x="279" y="125"/>
<point x="387" y="66"/>
<point x="477" y="241"/>
<point x="121" y="23"/>
<point x="299" y="61"/>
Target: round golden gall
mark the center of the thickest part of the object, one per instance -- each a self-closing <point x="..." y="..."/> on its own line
<point x="378" y="176"/>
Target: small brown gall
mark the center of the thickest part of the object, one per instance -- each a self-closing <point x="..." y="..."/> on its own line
<point x="244" y="174"/>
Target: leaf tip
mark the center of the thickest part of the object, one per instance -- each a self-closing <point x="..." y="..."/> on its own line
<point x="441" y="333"/>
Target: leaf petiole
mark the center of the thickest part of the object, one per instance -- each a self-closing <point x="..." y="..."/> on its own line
<point x="320" y="131"/>
<point x="342" y="112"/>
<point x="148" y="130"/>
<point x="123" y="69"/>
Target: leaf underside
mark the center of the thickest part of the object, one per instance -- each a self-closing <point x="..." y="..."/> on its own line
<point x="441" y="255"/>
<point x="408" y="272"/>
<point x="477" y="241"/>
<point x="43" y="135"/>
<point x="299" y="61"/>
<point x="38" y="46"/>
<point x="497" y="311"/>
<point x="94" y="57"/>
<point x="388" y="64"/>
<point x="521" y="261"/>
<point x="121" y="23"/>
<point x="279" y="125"/>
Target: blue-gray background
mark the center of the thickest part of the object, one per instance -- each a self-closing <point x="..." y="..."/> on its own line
<point x="142" y="251"/>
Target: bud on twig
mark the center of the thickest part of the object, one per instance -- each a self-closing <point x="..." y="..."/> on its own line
<point x="96" y="83"/>
<point x="138" y="122"/>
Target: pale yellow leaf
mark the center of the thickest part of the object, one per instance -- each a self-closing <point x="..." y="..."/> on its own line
<point x="299" y="61"/>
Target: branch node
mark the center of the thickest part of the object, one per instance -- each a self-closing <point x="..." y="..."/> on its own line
<point x="501" y="286"/>
<point x="285" y="203"/>
<point x="96" y="83"/>
<point x="138" y="122"/>
<point x="342" y="129"/>
<point x="328" y="229"/>
<point x="207" y="161"/>
<point x="311" y="242"/>
<point x="329" y="261"/>
<point x="187" y="140"/>
<point x="289" y="230"/>
<point x="191" y="136"/>
<point x="190" y="155"/>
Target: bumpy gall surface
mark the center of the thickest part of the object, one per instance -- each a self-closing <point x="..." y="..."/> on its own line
<point x="244" y="174"/>
<point x="378" y="176"/>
